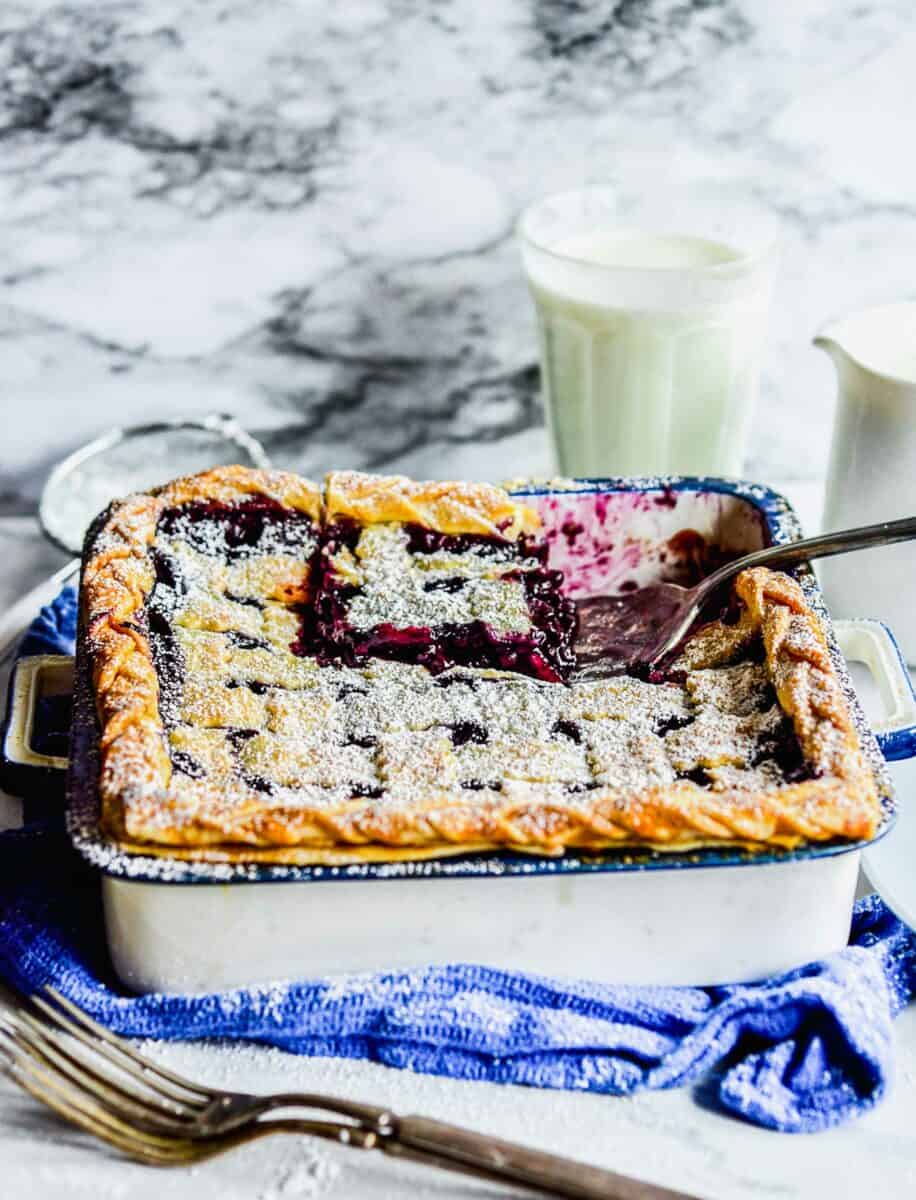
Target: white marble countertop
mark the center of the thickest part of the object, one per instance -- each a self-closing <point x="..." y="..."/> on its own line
<point x="302" y="214"/>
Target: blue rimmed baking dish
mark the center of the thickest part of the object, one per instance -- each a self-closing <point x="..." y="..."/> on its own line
<point x="699" y="917"/>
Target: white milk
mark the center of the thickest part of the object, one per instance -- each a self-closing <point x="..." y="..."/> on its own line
<point x="651" y="346"/>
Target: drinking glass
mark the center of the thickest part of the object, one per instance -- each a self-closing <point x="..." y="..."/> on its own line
<point x="651" y="335"/>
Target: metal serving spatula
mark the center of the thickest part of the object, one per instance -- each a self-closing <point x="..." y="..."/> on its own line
<point x="618" y="633"/>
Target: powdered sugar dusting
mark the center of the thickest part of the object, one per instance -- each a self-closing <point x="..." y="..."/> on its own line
<point x="392" y="699"/>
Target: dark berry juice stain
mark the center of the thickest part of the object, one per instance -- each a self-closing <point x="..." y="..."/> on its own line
<point x="624" y="629"/>
<point x="571" y="531"/>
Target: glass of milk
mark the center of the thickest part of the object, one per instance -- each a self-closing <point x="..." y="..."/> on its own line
<point x="651" y="336"/>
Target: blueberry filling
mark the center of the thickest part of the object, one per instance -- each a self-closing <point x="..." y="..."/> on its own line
<point x="568" y="729"/>
<point x="168" y="572"/>
<point x="235" y="737"/>
<point x="245" y="642"/>
<point x="187" y="764"/>
<point x="250" y="601"/>
<point x="428" y="541"/>
<point x="768" y="698"/>
<point x="695" y="775"/>
<point x="784" y="749"/>
<point x="168" y="662"/>
<point x="544" y="651"/>
<point x="253" y="685"/>
<point x="452" y="584"/>
<point x="259" y="782"/>
<point x="472" y="645"/>
<point x="237" y="530"/>
<point x="468" y="731"/>
<point x="365" y="791"/>
<point x="479" y="785"/>
<point x="444" y="681"/>
<point x="666" y="725"/>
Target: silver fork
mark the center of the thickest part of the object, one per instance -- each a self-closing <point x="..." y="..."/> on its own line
<point x="97" y="1081"/>
<point x="621" y="632"/>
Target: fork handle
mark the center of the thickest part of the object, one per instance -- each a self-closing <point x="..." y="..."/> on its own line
<point x="451" y="1146"/>
<point x="826" y="544"/>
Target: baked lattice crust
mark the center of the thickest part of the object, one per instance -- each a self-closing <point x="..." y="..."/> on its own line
<point x="222" y="735"/>
<point x="451" y="508"/>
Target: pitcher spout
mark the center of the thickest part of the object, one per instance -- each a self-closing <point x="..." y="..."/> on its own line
<point x="827" y="342"/>
<point x="880" y="342"/>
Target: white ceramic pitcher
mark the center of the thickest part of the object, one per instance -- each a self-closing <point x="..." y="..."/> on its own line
<point x="872" y="474"/>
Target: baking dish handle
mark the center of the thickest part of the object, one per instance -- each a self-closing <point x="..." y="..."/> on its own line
<point x="870" y="642"/>
<point x="27" y="768"/>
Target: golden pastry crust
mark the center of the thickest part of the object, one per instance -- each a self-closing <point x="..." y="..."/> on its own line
<point x="228" y="484"/>
<point x="474" y="508"/>
<point x="228" y="820"/>
<point x="117" y="578"/>
<point x="536" y="819"/>
<point x="801" y="671"/>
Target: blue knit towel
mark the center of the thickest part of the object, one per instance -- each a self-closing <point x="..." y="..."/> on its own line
<point x="799" y="1053"/>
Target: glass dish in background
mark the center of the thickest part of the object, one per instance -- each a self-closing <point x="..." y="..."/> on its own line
<point x="651" y="337"/>
<point x="133" y="460"/>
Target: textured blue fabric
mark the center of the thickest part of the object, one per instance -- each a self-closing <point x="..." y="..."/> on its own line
<point x="54" y="629"/>
<point x="799" y="1053"/>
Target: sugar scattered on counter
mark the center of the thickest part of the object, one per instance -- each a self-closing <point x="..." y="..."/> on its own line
<point x="302" y="1172"/>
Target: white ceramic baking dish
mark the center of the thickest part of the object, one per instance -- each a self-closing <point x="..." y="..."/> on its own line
<point x="699" y="918"/>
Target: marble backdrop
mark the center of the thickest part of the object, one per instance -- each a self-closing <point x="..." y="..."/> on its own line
<point x="301" y="212"/>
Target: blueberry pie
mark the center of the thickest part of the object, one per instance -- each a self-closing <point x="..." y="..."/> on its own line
<point x="382" y="669"/>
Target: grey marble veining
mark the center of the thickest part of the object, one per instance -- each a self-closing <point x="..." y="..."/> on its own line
<point x="302" y="213"/>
